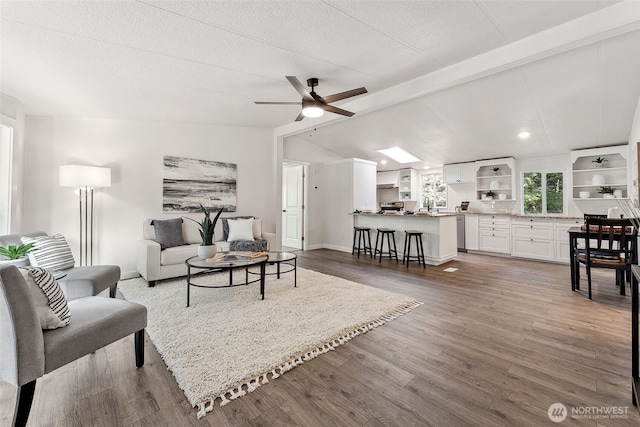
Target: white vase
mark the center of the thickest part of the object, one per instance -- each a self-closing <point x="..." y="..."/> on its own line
<point x="208" y="251"/>
<point x="617" y="194"/>
<point x="597" y="180"/>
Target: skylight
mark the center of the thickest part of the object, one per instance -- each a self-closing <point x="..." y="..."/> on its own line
<point x="399" y="155"/>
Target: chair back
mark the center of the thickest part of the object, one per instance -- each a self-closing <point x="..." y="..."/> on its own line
<point x="22" y="353"/>
<point x="614" y="239"/>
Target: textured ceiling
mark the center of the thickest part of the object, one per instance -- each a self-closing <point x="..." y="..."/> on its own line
<point x="207" y="61"/>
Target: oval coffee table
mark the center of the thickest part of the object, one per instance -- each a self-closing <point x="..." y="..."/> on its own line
<point x="279" y="258"/>
<point x="221" y="265"/>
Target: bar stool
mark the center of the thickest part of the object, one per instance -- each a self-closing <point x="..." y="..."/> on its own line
<point x="408" y="234"/>
<point x="364" y="238"/>
<point x="382" y="232"/>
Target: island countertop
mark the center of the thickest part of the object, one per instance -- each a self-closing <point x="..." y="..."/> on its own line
<point x="439" y="232"/>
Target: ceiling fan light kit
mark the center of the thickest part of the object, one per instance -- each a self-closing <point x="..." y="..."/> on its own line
<point x="311" y="109"/>
<point x="314" y="105"/>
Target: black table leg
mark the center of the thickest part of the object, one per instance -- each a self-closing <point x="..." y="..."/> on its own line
<point x="295" y="272"/>
<point x="188" y="283"/>
<point x="262" y="271"/>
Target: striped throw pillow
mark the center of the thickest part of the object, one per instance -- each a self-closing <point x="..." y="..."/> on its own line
<point x="50" y="252"/>
<point x="57" y="314"/>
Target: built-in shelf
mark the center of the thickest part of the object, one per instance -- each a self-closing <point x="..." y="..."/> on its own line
<point x="497" y="176"/>
<point x="589" y="176"/>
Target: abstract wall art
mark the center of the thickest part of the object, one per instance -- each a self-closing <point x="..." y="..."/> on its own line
<point x="187" y="183"/>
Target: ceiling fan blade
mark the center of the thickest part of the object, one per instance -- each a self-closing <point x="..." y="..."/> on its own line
<point x="343" y="95"/>
<point x="300" y="117"/>
<point x="277" y="103"/>
<point x="299" y="87"/>
<point x="336" y="110"/>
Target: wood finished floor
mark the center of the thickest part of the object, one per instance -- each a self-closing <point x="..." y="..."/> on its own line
<point x="495" y="343"/>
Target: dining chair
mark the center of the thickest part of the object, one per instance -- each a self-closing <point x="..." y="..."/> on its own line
<point x="610" y="243"/>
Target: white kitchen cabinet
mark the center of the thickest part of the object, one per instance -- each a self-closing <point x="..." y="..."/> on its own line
<point x="458" y="173"/>
<point x="387" y="179"/>
<point x="494" y="233"/>
<point x="471" y="231"/>
<point x="408" y="185"/>
<point x="562" y="237"/>
<point x="533" y="238"/>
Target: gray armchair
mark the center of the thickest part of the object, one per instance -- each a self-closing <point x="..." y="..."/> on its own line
<point x="28" y="352"/>
<point x="78" y="282"/>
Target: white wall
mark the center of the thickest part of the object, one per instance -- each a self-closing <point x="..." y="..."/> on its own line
<point x="11" y="115"/>
<point x="298" y="150"/>
<point x="634" y="140"/>
<point x="134" y="151"/>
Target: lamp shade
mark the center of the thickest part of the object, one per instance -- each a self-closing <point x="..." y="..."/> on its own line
<point x="84" y="176"/>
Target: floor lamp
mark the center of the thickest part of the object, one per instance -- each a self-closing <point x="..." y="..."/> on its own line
<point x="85" y="179"/>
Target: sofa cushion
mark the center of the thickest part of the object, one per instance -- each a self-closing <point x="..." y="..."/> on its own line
<point x="225" y="225"/>
<point x="240" y="229"/>
<point x="50" y="303"/>
<point x="178" y="254"/>
<point x="50" y="252"/>
<point x="168" y="232"/>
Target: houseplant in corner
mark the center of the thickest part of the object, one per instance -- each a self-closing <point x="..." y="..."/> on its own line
<point x="208" y="247"/>
<point x="16" y="255"/>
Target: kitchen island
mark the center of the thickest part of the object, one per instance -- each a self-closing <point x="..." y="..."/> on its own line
<point x="439" y="238"/>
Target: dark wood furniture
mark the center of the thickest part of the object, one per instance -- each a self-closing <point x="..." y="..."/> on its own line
<point x="579" y="234"/>
<point x="390" y="235"/>
<point x="635" y="336"/>
<point x="230" y="265"/>
<point x="362" y="235"/>
<point x="407" y="257"/>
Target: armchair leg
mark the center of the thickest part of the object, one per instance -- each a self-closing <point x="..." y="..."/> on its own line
<point x="112" y="290"/>
<point x="23" y="404"/>
<point x="151" y="283"/>
<point x="138" y="338"/>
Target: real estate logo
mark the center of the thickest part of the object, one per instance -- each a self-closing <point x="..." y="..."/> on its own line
<point x="557" y="412"/>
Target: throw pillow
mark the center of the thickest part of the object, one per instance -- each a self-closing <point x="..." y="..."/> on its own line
<point x="257" y="228"/>
<point x="240" y="229"/>
<point x="168" y="232"/>
<point x="225" y="225"/>
<point x="50" y="252"/>
<point x="50" y="303"/>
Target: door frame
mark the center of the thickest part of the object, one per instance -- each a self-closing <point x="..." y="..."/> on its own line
<point x="305" y="198"/>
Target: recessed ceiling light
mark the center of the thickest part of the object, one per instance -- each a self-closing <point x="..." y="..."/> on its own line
<point x="425" y="167"/>
<point x="383" y="162"/>
<point x="399" y="155"/>
<point x="524" y="135"/>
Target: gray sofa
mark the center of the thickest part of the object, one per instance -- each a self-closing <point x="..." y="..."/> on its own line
<point x="155" y="263"/>
<point x="78" y="282"/>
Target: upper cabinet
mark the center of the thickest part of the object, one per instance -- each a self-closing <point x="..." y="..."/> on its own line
<point x="408" y="185"/>
<point x="387" y="179"/>
<point x="458" y="173"/>
<point x="599" y="173"/>
<point x="496" y="179"/>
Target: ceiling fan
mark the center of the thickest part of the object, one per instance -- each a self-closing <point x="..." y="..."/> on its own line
<point x="314" y="105"/>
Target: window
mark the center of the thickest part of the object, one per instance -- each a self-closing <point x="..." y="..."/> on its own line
<point x="543" y="193"/>
<point x="434" y="191"/>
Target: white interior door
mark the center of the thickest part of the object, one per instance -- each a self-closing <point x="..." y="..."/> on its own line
<point x="293" y="206"/>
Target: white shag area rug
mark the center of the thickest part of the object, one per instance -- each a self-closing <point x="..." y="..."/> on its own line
<point x="229" y="341"/>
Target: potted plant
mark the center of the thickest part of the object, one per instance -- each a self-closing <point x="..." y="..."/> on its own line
<point x="496" y="170"/>
<point x="599" y="161"/>
<point x="490" y="195"/>
<point x="16" y="255"/>
<point x="208" y="247"/>
<point x="607" y="192"/>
